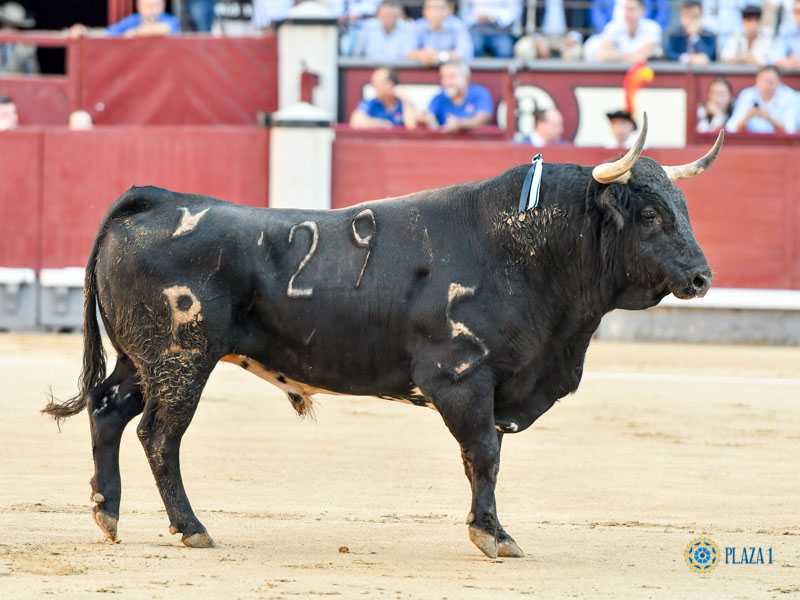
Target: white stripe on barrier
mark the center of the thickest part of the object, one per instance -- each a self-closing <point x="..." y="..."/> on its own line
<point x="679" y="378"/>
<point x="733" y="298"/>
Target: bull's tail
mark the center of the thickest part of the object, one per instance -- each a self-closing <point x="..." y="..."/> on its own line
<point x="94" y="355"/>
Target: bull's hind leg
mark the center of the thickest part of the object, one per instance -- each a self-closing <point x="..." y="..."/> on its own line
<point x="112" y="405"/>
<point x="172" y="389"/>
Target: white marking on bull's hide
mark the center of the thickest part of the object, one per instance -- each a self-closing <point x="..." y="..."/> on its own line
<point x="261" y="238"/>
<point x="363" y="242"/>
<point x="291" y="291"/>
<point x="310" y="335"/>
<point x="188" y="221"/>
<point x="185" y="309"/>
<point x="457" y="292"/>
<point x="302" y="392"/>
<point x="510" y="428"/>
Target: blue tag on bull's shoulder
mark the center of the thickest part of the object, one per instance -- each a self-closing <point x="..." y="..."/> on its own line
<point x="529" y="197"/>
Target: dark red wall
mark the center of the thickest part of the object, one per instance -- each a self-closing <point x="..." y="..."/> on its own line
<point x="192" y="80"/>
<point x="20" y="198"/>
<point x="744" y="210"/>
<point x="57" y="184"/>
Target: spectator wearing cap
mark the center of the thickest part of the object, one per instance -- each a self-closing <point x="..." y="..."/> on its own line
<point x="548" y="128"/>
<point x="634" y="38"/>
<point x="623" y="127"/>
<point x="389" y="108"/>
<point x="460" y="105"/>
<point x="387" y="36"/>
<point x="440" y="36"/>
<point x="785" y="50"/>
<point x="150" y="19"/>
<point x="690" y="44"/>
<point x="750" y="45"/>
<point x="17" y="57"/>
<point x="8" y="114"/>
<point x="768" y="107"/>
<point x="490" y="23"/>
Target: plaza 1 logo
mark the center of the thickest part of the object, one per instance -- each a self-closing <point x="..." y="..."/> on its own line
<point x="702" y="555"/>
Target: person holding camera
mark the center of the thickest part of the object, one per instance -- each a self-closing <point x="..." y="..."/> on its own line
<point x="768" y="107"/>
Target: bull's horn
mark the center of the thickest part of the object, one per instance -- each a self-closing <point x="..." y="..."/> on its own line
<point x="698" y="166"/>
<point x="619" y="169"/>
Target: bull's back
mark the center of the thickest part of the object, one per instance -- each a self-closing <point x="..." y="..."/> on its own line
<point x="322" y="296"/>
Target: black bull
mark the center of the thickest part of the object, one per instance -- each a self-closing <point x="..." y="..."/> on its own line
<point x="446" y="298"/>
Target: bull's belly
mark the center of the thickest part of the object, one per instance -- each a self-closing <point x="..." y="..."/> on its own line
<point x="299" y="393"/>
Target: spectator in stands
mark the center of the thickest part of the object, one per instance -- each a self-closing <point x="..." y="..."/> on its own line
<point x="716" y="109"/>
<point x="604" y="12"/>
<point x="768" y="107"/>
<point x="149" y="20"/>
<point x="751" y="44"/>
<point x="691" y="44"/>
<point x="489" y="23"/>
<point x="8" y="114"/>
<point x="17" y="57"/>
<point x="80" y="120"/>
<point x="200" y="13"/>
<point x="440" y="36"/>
<point x="460" y="105"/>
<point x="623" y="128"/>
<point x="387" y="36"/>
<point x="785" y="50"/>
<point x="723" y="17"/>
<point x="390" y="107"/>
<point x="268" y="13"/>
<point x="548" y="129"/>
<point x="632" y="39"/>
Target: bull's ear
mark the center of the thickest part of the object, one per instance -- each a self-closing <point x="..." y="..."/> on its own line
<point x="613" y="201"/>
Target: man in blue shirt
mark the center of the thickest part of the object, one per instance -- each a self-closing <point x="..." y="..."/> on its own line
<point x="150" y="19"/>
<point x="387" y="36"/>
<point x="767" y="107"/>
<point x="389" y="108"/>
<point x="460" y="105"/>
<point x="785" y="50"/>
<point x="440" y="36"/>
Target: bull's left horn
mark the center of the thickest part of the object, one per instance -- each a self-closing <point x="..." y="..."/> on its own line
<point x="619" y="169"/>
<point x="698" y="166"/>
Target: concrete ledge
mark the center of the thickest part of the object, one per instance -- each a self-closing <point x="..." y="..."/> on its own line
<point x="734" y="298"/>
<point x="724" y="316"/>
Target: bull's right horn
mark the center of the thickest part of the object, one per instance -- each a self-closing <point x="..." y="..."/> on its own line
<point x="619" y="170"/>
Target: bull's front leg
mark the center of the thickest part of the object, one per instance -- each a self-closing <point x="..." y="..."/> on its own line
<point x="467" y="410"/>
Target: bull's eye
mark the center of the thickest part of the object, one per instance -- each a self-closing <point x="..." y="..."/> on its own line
<point x="648" y="215"/>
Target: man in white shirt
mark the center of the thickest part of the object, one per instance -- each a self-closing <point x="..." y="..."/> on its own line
<point x="490" y="23"/>
<point x="632" y="39"/>
<point x="768" y="107"/>
<point x="548" y="129"/>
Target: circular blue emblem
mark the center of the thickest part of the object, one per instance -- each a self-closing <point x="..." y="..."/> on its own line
<point x="702" y="555"/>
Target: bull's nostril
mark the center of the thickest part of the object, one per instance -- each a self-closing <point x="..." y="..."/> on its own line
<point x="699" y="282"/>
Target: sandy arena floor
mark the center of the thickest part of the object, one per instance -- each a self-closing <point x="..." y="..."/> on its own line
<point x="661" y="444"/>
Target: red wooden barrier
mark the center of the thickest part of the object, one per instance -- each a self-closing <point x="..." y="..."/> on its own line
<point x="744" y="210"/>
<point x="20" y="197"/>
<point x="180" y="80"/>
<point x="86" y="171"/>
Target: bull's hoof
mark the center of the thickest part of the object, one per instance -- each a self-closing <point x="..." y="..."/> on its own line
<point x="198" y="540"/>
<point x="106" y="522"/>
<point x="485" y="541"/>
<point x="509" y="549"/>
